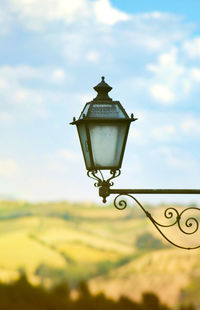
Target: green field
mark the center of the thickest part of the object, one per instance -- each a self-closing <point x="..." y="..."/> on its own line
<point x="118" y="252"/>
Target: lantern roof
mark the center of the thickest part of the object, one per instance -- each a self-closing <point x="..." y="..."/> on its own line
<point x="102" y="107"/>
<point x="103" y="129"/>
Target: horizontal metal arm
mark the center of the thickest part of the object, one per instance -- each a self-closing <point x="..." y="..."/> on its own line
<point x="188" y="225"/>
<point x="154" y="191"/>
<point x="178" y="218"/>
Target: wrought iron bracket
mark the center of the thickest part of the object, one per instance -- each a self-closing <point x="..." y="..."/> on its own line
<point x="187" y="226"/>
<point x="104" y="185"/>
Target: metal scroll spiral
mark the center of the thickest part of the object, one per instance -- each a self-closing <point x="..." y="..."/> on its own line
<point x="98" y="176"/>
<point x="172" y="214"/>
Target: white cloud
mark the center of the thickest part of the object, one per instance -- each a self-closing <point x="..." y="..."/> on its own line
<point x="73" y="46"/>
<point x="57" y="167"/>
<point x="166" y="127"/>
<point x="31" y="90"/>
<point x="108" y="15"/>
<point x="21" y="95"/>
<point x="67" y="155"/>
<point x="162" y="93"/>
<point x="59" y="161"/>
<point x="155" y="31"/>
<point x="192" y="48"/>
<point x="8" y="167"/>
<point x="91" y="34"/>
<point x="167" y="63"/>
<point x="58" y="75"/>
<point x="172" y="77"/>
<point x="22" y="73"/>
<point x="5" y="117"/>
<point x="36" y="14"/>
<point x="5" y="19"/>
<point x="176" y="159"/>
<point x="195" y="74"/>
<point x="27" y="102"/>
<point x="135" y="135"/>
<point x="85" y="97"/>
<point x="190" y="125"/>
<point x="143" y="54"/>
<point x="164" y="133"/>
<point x="92" y="56"/>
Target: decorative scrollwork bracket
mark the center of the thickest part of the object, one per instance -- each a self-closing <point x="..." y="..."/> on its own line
<point x="188" y="226"/>
<point x="104" y="185"/>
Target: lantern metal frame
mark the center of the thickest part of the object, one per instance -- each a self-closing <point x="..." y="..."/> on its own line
<point x="87" y="118"/>
<point x="107" y="121"/>
<point x="188" y="226"/>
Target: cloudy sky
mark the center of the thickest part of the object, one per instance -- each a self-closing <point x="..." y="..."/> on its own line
<point x="52" y="54"/>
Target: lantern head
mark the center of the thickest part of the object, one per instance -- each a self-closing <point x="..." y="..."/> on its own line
<point x="103" y="129"/>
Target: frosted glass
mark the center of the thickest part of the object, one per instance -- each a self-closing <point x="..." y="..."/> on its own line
<point x="100" y="110"/>
<point x="85" y="111"/>
<point x="107" y="142"/>
<point x="84" y="144"/>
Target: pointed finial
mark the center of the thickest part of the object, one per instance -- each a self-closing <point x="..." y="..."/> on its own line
<point x="102" y="89"/>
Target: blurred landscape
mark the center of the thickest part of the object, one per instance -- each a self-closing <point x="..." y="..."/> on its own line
<point x="115" y="252"/>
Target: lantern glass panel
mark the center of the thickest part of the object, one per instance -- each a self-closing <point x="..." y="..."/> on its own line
<point x="84" y="144"/>
<point x="100" y="110"/>
<point x="107" y="141"/>
<point x="85" y="110"/>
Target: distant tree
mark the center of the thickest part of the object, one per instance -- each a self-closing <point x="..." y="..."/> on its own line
<point x="148" y="241"/>
<point x="83" y="289"/>
<point x="188" y="307"/>
<point x="126" y="303"/>
<point x="21" y="295"/>
<point x="62" y="291"/>
<point x="150" y="301"/>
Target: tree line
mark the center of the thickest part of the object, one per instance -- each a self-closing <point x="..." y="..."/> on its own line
<point x="21" y="295"/>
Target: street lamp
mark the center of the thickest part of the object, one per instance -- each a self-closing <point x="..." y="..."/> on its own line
<point x="103" y="130"/>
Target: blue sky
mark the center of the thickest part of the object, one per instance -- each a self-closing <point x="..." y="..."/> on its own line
<point x="54" y="51"/>
<point x="188" y="9"/>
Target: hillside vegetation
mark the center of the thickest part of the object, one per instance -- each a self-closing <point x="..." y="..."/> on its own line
<point x="118" y="252"/>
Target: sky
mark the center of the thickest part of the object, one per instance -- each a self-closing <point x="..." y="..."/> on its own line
<point x="52" y="54"/>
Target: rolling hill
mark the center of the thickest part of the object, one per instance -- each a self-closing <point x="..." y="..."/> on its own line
<point x="118" y="252"/>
